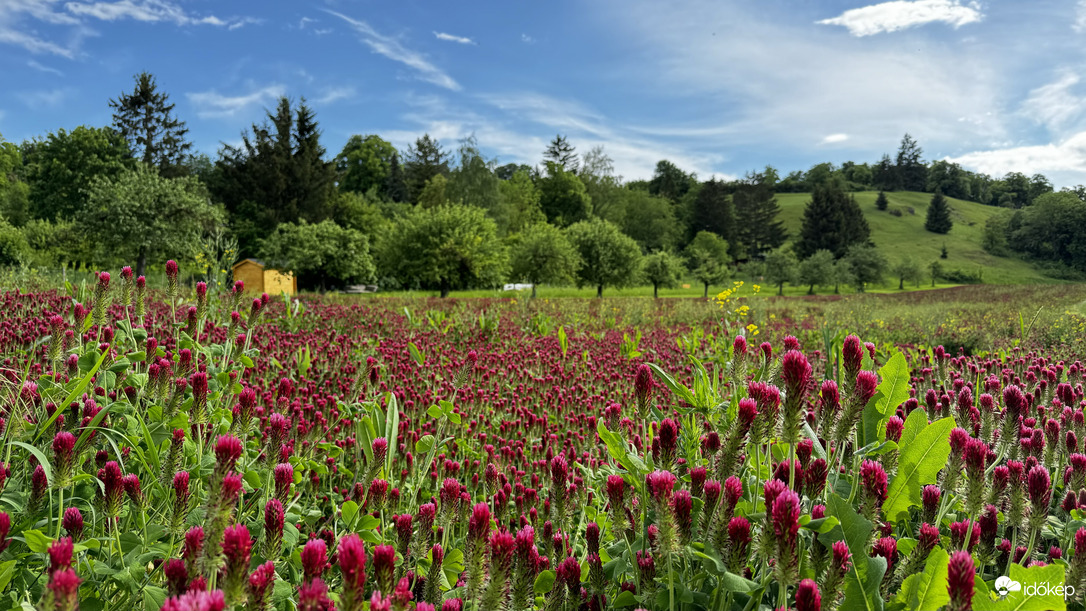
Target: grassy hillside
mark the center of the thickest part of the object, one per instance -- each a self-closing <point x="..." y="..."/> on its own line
<point x="898" y="236"/>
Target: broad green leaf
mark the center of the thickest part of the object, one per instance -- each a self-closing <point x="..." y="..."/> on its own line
<point x="817" y="448"/>
<point x="891" y="392"/>
<point x="349" y="511"/>
<point x="926" y="591"/>
<point x="920" y="461"/>
<point x="865" y="576"/>
<point x="153" y="598"/>
<point x="415" y="354"/>
<point x="625" y="598"/>
<point x="424" y="445"/>
<point x="544" y="582"/>
<point x="37" y="541"/>
<point x="7" y="571"/>
<point x="1027" y="599"/>
<point x="619" y="450"/>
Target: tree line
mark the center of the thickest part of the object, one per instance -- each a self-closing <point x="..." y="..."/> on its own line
<point x="427" y="217"/>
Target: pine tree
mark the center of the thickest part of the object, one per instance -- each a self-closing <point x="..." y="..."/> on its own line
<point x="831" y="221"/>
<point x="424" y="160"/>
<point x="712" y="210"/>
<point x="145" y="119"/>
<point x="757" y="227"/>
<point x="561" y="152"/>
<point x="911" y="170"/>
<point x="277" y="175"/>
<point x="881" y="202"/>
<point x="938" y="219"/>
<point x="396" y="186"/>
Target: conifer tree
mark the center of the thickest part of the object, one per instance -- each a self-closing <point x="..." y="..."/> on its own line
<point x="561" y="152"/>
<point x="881" y="202"/>
<point x="145" y="119"/>
<point x="831" y="221"/>
<point x="938" y="219"/>
<point x="756" y="210"/>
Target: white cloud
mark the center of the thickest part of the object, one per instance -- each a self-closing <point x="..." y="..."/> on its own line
<point x="1057" y="104"/>
<point x="1068" y="156"/>
<point x="901" y="14"/>
<point x="50" y="98"/>
<point x="212" y="104"/>
<point x="834" y="138"/>
<point x="1080" y="17"/>
<point x="334" y="94"/>
<point x="43" y="68"/>
<point x="150" y="11"/>
<point x="395" y="50"/>
<point x="453" y="38"/>
<point x="776" y="86"/>
<point x="18" y="18"/>
<point x="527" y="39"/>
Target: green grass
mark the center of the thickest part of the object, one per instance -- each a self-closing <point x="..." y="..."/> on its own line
<point x="900" y="236"/>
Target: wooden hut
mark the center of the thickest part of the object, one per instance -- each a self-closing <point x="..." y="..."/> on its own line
<point x="259" y="279"/>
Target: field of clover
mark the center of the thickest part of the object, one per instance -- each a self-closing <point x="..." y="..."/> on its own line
<point x="177" y="450"/>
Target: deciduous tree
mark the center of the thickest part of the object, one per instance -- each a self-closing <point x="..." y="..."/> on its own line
<point x="321" y="254"/>
<point x="662" y="268"/>
<point x="543" y="255"/>
<point x="608" y="256"/>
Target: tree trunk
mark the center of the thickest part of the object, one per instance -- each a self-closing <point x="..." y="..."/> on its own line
<point x="655" y="293"/>
<point x="599" y="291"/>
<point x="901" y="283"/>
<point x="533" y="290"/>
<point x="836" y="289"/>
<point x="706" y="294"/>
<point x="780" y="289"/>
<point x="141" y="262"/>
<point x="810" y="291"/>
<point x="444" y="289"/>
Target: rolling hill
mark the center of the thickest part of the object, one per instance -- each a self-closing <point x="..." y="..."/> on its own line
<point x="900" y="236"/>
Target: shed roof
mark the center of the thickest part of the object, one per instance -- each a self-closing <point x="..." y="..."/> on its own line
<point x="248" y="260"/>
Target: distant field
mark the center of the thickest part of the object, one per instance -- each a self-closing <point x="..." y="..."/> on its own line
<point x="898" y="236"/>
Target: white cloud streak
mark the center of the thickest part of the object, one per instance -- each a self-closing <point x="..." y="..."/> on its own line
<point x="1067" y="156"/>
<point x="43" y="68"/>
<point x="17" y="19"/>
<point x="395" y="50"/>
<point x="900" y="14"/>
<point x="453" y="38"/>
<point x="214" y="105"/>
<point x="1057" y="104"/>
<point x="835" y="138"/>
<point x="335" y="94"/>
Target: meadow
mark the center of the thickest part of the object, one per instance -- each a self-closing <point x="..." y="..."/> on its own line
<point x="180" y="449"/>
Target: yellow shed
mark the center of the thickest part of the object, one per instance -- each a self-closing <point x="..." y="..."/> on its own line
<point x="257" y="279"/>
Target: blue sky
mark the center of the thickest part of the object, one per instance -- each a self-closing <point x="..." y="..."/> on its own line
<point x="719" y="87"/>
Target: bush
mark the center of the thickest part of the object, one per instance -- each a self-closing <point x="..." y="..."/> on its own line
<point x="14" y="249"/>
<point x="959" y="276"/>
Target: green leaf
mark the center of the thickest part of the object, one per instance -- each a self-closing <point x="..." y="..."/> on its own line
<point x="927" y="591"/>
<point x="620" y="451"/>
<point x="544" y="582"/>
<point x="415" y="354"/>
<point x="42" y="460"/>
<point x="894" y="390"/>
<point x="920" y="460"/>
<point x="424" y="445"/>
<point x="434" y="411"/>
<point x="349" y="511"/>
<point x="817" y="448"/>
<point x="245" y="360"/>
<point x="253" y="479"/>
<point x="625" y="598"/>
<point x="37" y="541"/>
<point x="682" y="392"/>
<point x="1051" y="575"/>
<point x="76" y="392"/>
<point x="820" y="525"/>
<point x="7" y="571"/>
<point x="153" y="598"/>
<point x="563" y="341"/>
<point x="865" y="576"/>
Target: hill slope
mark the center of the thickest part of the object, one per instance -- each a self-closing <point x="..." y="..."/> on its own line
<point x="900" y="236"/>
